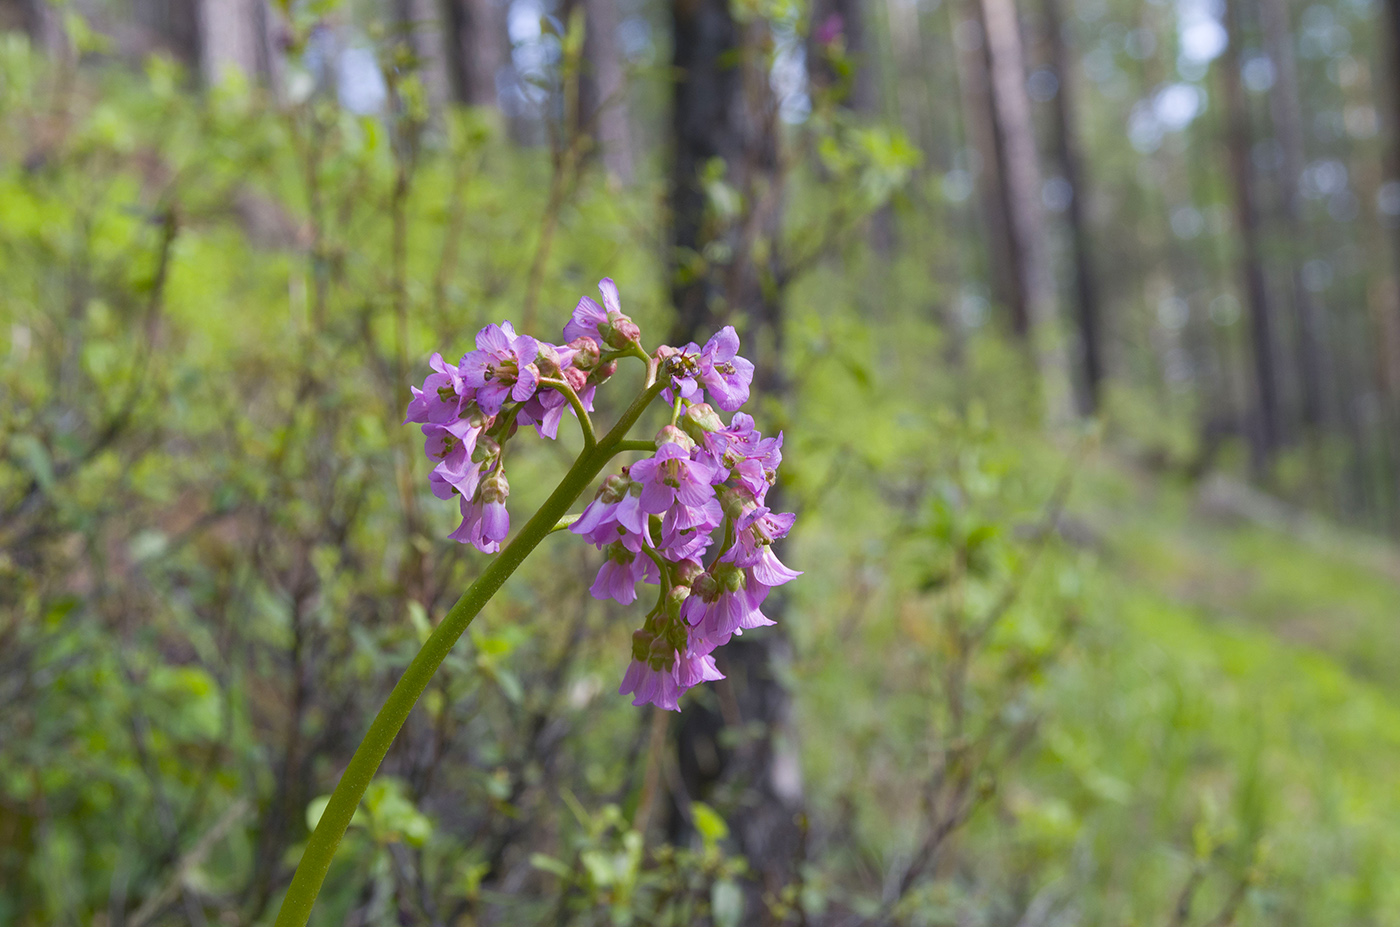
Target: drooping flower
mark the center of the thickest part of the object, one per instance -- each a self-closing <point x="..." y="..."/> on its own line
<point x="722" y="605"/>
<point x="615" y="513"/>
<point x="651" y="685"/>
<point x="453" y="447"/>
<point x="755" y="533"/>
<point x="618" y="576"/>
<point x="485" y="521"/>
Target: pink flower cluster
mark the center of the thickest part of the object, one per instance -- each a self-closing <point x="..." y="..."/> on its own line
<point x="691" y="519"/>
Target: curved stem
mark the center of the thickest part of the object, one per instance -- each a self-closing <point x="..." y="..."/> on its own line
<point x="584" y="422"/>
<point x="320" y="849"/>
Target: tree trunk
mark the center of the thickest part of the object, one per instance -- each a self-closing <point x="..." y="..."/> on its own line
<point x="1265" y="430"/>
<point x="1091" y="370"/>
<point x="602" y="112"/>
<point x="233" y="37"/>
<point x="974" y="82"/>
<point x="477" y="49"/>
<point x="1021" y="182"/>
<point x="726" y="267"/>
<point x="1286" y="109"/>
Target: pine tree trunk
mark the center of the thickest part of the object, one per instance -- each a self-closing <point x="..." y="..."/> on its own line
<point x="477" y="49"/>
<point x="974" y="82"/>
<point x="1238" y="140"/>
<point x="1087" y="314"/>
<point x="726" y="269"/>
<point x="1021" y="183"/>
<point x="1286" y="108"/>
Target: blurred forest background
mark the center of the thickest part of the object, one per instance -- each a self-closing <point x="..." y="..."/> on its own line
<point x="1081" y="318"/>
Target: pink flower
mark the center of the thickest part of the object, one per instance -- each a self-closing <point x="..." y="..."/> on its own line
<point x="502" y="367"/>
<point x="442" y="397"/>
<point x="673" y="478"/>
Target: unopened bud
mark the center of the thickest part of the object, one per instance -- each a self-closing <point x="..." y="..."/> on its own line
<point x="602" y="372"/>
<point x="486" y="450"/>
<point x="686" y="571"/>
<point x="547" y="359"/>
<point x="699" y="420"/>
<point x="495" y="487"/>
<point x="661" y="654"/>
<point x="673" y="435"/>
<point x="577" y="379"/>
<point x="586" y="352"/>
<point x="613" y="489"/>
<point x="621" y="332"/>
<point x="736" y="502"/>
<point x="705" y="587"/>
<point x="473" y="416"/>
<point x="674" y="597"/>
<point x="641" y="645"/>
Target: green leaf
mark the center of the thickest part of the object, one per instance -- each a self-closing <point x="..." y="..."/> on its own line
<point x="550" y="864"/>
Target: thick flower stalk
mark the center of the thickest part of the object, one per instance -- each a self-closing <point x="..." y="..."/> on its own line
<point x="689" y="519"/>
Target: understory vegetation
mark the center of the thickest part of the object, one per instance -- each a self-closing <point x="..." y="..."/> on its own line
<point x="1037" y="676"/>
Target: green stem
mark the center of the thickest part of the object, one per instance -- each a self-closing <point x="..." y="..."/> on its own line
<point x="584" y="422"/>
<point x="320" y="849"/>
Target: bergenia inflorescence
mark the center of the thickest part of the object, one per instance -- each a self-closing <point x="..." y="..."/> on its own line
<point x="690" y="520"/>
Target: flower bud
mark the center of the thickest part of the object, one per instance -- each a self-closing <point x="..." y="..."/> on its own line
<point x="602" y="372"/>
<point x="576" y="378"/>
<point x="472" y="415"/>
<point x="547" y="360"/>
<point x="736" y="502"/>
<point x="495" y="487"/>
<point x="586" y="353"/>
<point x="662" y="654"/>
<point x="700" y="419"/>
<point x="641" y="644"/>
<point x="613" y="489"/>
<point x="486" y="451"/>
<point x="674" y="597"/>
<point x="705" y="587"/>
<point x="622" y="332"/>
<point x="686" y="571"/>
<point x="673" y="435"/>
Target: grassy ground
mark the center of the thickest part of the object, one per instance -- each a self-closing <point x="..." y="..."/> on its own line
<point x="1250" y="670"/>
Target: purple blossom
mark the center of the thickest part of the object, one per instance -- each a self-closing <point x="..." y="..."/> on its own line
<point x="672" y="477"/>
<point x="453" y="447"/>
<point x="755" y="532"/>
<point x="650" y="685"/>
<point x="723" y="372"/>
<point x="484" y="525"/>
<point x="662" y="686"/>
<point x="443" y="394"/>
<point x="685" y="530"/>
<point x="502" y="367"/>
<point x="721" y="605"/>
<point x="485" y="521"/>
<point x="587" y="319"/>
<point x="605" y="324"/>
<point x="621" y="571"/>
<point x="615" y="513"/>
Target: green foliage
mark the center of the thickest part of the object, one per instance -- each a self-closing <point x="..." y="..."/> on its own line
<point x="1026" y="678"/>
